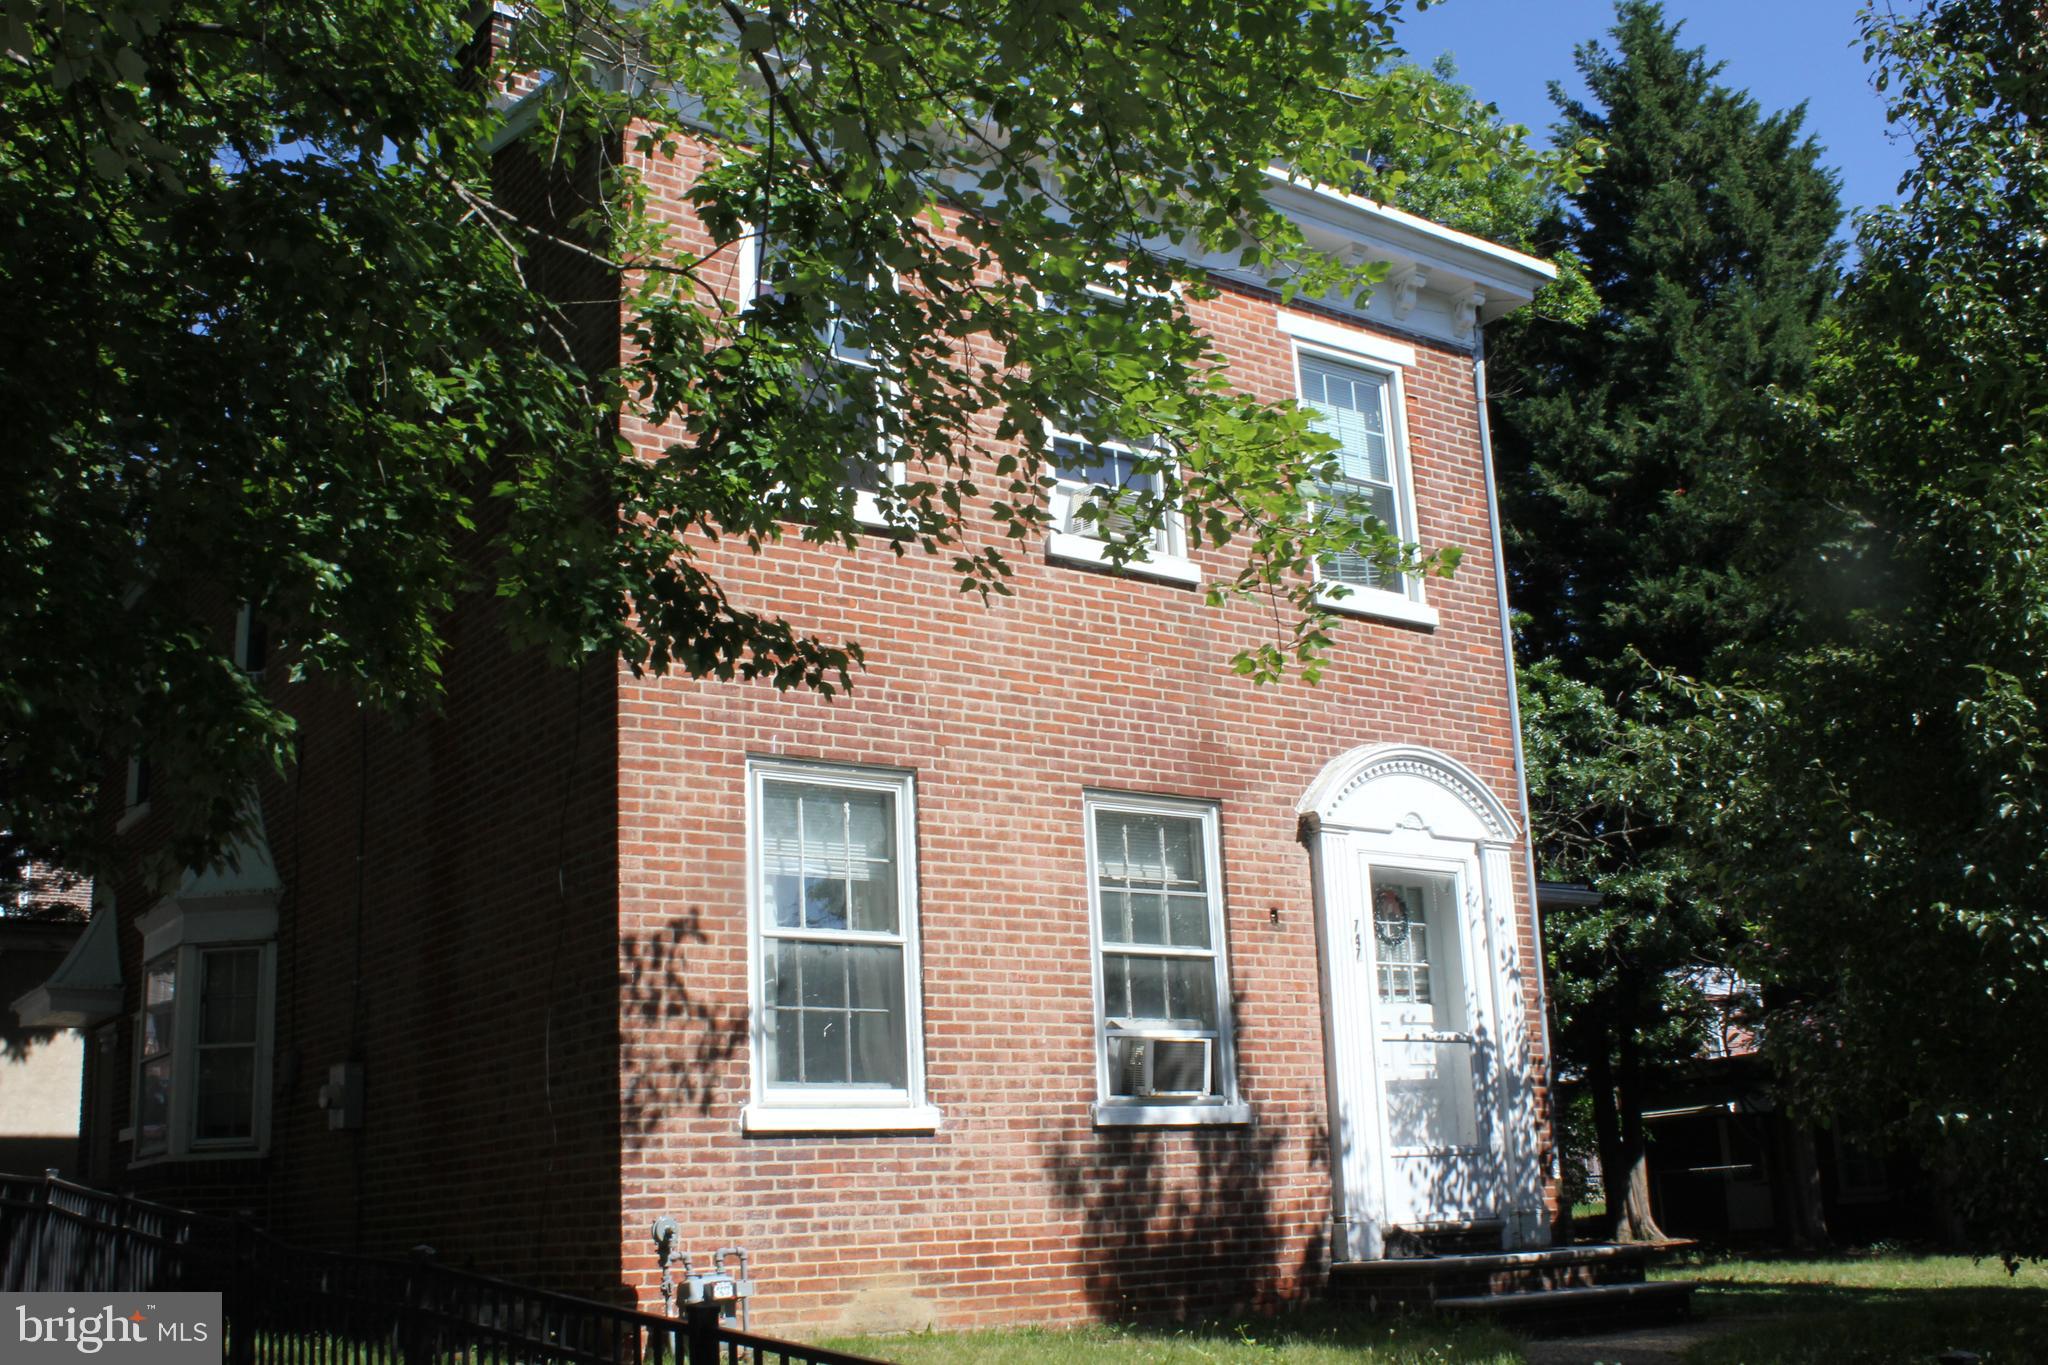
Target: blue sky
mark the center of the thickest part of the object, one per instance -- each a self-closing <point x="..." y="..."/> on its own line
<point x="1781" y="51"/>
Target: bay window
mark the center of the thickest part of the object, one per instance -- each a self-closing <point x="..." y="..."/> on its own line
<point x="203" y="1036"/>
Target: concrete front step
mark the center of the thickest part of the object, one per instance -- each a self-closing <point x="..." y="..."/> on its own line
<point x="1593" y="1308"/>
<point x="1446" y="1239"/>
<point x="1417" y="1282"/>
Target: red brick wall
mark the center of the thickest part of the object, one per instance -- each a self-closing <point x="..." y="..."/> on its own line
<point x="483" y="1015"/>
<point x="486" y="932"/>
<point x="1019" y="1209"/>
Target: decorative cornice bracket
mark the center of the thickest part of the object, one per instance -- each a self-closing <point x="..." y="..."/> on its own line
<point x="1466" y="317"/>
<point x="1405" y="286"/>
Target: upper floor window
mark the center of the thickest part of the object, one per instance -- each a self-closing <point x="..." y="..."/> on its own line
<point x="1100" y="486"/>
<point x="1355" y="407"/>
<point x="252" y="640"/>
<point x="1162" y="975"/>
<point x="137" y="795"/>
<point x="1096" y="487"/>
<point x="838" y="1042"/>
<point x="135" y="788"/>
<point x="858" y="384"/>
<point x="1360" y="408"/>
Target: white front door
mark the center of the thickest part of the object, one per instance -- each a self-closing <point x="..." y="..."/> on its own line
<point x="1433" y="1074"/>
<point x="1439" y="1163"/>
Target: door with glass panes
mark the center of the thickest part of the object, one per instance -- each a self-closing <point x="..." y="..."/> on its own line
<point x="1433" y="1155"/>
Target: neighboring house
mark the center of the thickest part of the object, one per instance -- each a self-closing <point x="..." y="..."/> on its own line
<point x="1057" y="971"/>
<point x="1728" y="1165"/>
<point x="42" y="1062"/>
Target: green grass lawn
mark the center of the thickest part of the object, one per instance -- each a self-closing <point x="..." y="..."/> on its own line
<point x="1889" y="1309"/>
<point x="1311" y="1338"/>
<point x="1868" y="1309"/>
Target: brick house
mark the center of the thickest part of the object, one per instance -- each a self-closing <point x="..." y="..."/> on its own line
<point x="1056" y="972"/>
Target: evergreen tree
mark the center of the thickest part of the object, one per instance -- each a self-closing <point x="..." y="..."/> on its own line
<point x="1639" y="531"/>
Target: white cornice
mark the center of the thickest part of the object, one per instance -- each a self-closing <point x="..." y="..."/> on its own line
<point x="1381" y="220"/>
<point x="1440" y="283"/>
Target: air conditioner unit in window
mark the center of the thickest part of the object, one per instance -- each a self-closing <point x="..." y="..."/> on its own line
<point x="1176" y="1068"/>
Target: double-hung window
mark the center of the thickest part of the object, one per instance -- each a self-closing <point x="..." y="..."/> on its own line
<point x="837" y="1036"/>
<point x="203" y="1039"/>
<point x="156" y="1058"/>
<point x="1164" y="1046"/>
<point x="857" y="381"/>
<point x="1095" y="490"/>
<point x="1098" y="487"/>
<point x="252" y="640"/>
<point x="1353" y="406"/>
<point x="1351" y="385"/>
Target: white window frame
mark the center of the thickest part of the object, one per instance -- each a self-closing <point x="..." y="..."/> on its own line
<point x="824" y="1108"/>
<point x="1125" y="1111"/>
<point x="1167" y="562"/>
<point x="867" y="507"/>
<point x="1354" y="348"/>
<point x="183" y="934"/>
<point x="135" y="791"/>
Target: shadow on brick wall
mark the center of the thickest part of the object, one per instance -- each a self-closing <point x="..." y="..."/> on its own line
<point x="1197" y="1223"/>
<point x="659" y="1001"/>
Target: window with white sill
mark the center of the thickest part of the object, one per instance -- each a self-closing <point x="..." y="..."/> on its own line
<point x="837" y="1035"/>
<point x="1098" y="494"/>
<point x="203" y="1038"/>
<point x="1164" y="1051"/>
<point x="1103" y="487"/>
<point x="1360" y="408"/>
<point x="856" y="384"/>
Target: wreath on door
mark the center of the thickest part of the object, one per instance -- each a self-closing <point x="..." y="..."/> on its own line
<point x="1390" y="917"/>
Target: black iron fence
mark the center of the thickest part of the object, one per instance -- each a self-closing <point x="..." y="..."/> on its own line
<point x="286" y="1305"/>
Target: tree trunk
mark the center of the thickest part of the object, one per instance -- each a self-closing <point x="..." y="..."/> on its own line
<point x="1628" y="1198"/>
<point x="1634" y="1221"/>
<point x="1607" y="1137"/>
<point x="1806" y="1222"/>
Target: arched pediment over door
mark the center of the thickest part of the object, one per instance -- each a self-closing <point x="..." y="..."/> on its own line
<point x="1425" y="996"/>
<point x="1390" y="786"/>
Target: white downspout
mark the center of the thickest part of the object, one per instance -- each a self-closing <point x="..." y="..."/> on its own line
<point x="1507" y="646"/>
